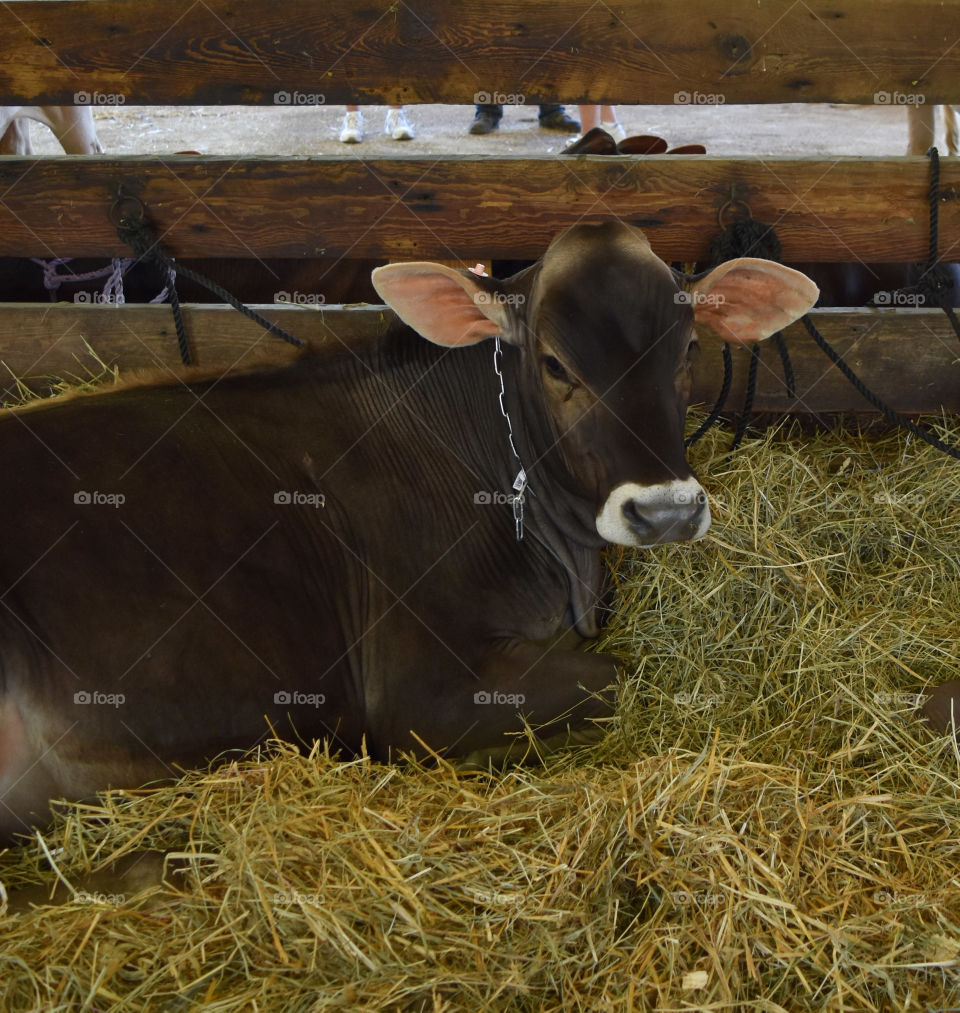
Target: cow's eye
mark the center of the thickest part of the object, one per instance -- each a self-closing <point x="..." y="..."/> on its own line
<point x="552" y="365"/>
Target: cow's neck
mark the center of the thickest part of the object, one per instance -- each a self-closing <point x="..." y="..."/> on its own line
<point x="557" y="512"/>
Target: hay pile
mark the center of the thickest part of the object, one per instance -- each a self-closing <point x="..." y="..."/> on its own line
<point x="766" y="827"/>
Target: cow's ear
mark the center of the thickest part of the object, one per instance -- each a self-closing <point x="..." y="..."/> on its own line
<point x="447" y="307"/>
<point x="746" y="300"/>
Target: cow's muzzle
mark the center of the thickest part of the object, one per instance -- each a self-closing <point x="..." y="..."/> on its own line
<point x="644" y="515"/>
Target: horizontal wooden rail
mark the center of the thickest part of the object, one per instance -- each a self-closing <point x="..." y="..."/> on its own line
<point x="910" y="357"/>
<point x="458" y="208"/>
<point x="631" y="51"/>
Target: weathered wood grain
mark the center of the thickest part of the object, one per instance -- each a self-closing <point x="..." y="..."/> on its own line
<point x="38" y="341"/>
<point x="632" y="51"/>
<point x="458" y="208"/>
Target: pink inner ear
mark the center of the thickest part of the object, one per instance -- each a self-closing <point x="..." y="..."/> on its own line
<point x="434" y="302"/>
<point x="747" y="300"/>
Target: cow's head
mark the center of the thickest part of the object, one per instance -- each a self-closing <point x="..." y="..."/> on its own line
<point x="608" y="338"/>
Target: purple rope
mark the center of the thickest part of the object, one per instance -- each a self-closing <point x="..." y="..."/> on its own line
<point x="113" y="294"/>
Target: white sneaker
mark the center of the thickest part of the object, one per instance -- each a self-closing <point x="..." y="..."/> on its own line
<point x="352" y="130"/>
<point x="396" y="125"/>
<point x="615" y="130"/>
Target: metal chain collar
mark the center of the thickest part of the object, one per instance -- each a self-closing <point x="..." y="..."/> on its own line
<point x="520" y="485"/>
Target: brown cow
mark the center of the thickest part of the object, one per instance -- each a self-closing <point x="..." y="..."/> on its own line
<point x="331" y="545"/>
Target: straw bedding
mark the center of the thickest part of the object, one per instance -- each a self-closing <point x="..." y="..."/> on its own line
<point x="765" y="825"/>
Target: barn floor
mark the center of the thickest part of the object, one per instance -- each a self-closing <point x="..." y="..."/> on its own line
<point x="725" y="130"/>
<point x="765" y="827"/>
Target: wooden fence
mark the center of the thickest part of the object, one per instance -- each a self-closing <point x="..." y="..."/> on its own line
<point x="457" y="208"/>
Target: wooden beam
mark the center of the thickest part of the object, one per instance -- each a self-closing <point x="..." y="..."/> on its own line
<point x="459" y="208"/>
<point x="634" y="51"/>
<point x="909" y="357"/>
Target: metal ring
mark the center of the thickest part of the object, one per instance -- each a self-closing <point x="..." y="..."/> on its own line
<point x="126" y="210"/>
<point x="731" y="203"/>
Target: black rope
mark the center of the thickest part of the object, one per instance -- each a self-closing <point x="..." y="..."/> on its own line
<point x="748" y="397"/>
<point x="138" y="235"/>
<point x="721" y="400"/>
<point x="173" y="298"/>
<point x="933" y="198"/>
<point x="877" y="402"/>
<point x="788" y="377"/>
<point x="935" y="283"/>
<point x="747" y="238"/>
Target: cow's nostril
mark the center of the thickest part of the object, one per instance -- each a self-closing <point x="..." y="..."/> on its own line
<point x="664" y="522"/>
<point x="634" y="517"/>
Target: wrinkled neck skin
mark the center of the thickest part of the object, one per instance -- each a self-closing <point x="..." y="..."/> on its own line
<point x="557" y="512"/>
